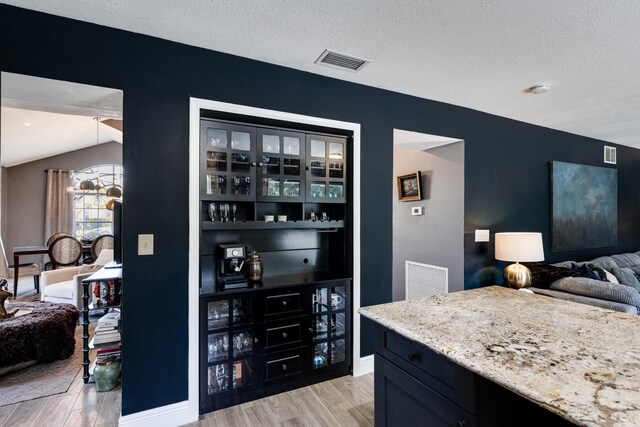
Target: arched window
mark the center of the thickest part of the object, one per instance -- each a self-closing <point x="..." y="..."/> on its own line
<point x="92" y="218"/>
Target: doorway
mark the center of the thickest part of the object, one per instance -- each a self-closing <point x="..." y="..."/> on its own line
<point x="75" y="132"/>
<point x="428" y="230"/>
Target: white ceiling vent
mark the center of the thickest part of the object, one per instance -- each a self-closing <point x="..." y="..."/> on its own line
<point x="334" y="59"/>
<point x="610" y="155"/>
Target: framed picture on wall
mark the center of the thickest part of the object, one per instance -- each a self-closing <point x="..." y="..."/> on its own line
<point x="409" y="187"/>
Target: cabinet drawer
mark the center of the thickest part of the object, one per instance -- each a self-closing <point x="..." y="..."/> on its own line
<point x="284" y="366"/>
<point x="442" y="375"/>
<point x="279" y="335"/>
<point x="284" y="303"/>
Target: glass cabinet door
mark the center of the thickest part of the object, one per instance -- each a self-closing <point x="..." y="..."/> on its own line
<point x="326" y="169"/>
<point x="227" y="159"/>
<point x="280" y="171"/>
<point x="328" y="325"/>
<point x="230" y="345"/>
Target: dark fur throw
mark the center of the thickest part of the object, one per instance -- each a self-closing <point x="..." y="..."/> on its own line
<point x="44" y="335"/>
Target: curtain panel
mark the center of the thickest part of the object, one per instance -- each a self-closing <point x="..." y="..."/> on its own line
<point x="59" y="204"/>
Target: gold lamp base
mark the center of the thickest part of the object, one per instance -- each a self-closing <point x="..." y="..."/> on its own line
<point x="517" y="276"/>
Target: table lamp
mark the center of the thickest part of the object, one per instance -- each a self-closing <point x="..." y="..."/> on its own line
<point x="519" y="247"/>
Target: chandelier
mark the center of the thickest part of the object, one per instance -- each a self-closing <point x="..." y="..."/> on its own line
<point x="113" y="191"/>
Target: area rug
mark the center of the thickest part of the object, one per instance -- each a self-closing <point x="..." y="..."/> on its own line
<point x="44" y="379"/>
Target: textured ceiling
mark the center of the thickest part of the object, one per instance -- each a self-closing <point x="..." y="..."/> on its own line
<point x="44" y="117"/>
<point x="481" y="54"/>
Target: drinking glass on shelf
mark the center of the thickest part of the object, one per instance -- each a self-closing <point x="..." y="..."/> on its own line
<point x="234" y="212"/>
<point x="212" y="212"/>
<point x="235" y="183"/>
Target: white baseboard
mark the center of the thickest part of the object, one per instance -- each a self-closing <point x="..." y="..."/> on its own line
<point x="366" y="366"/>
<point x="176" y="414"/>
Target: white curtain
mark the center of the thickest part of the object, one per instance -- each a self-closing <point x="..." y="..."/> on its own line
<point x="58" y="214"/>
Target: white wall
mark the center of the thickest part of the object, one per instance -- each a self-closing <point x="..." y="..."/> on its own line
<point x="436" y="237"/>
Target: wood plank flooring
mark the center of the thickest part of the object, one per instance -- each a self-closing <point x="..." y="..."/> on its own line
<point x="345" y="401"/>
<point x="80" y="406"/>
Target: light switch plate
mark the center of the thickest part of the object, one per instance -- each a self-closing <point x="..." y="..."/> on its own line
<point x="145" y="244"/>
<point x="482" y="236"/>
<point x="417" y="210"/>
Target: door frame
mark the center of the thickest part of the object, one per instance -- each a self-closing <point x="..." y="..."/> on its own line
<point x="360" y="367"/>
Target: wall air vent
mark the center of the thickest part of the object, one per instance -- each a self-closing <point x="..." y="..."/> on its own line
<point x="334" y="59"/>
<point x="610" y="155"/>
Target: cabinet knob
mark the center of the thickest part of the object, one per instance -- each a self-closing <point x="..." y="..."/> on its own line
<point x="255" y="340"/>
<point x="284" y="335"/>
<point x="284" y="367"/>
<point x="462" y="422"/>
<point x="414" y="357"/>
<point x="284" y="303"/>
<point x="308" y="168"/>
<point x="253" y="164"/>
<point x="260" y="164"/>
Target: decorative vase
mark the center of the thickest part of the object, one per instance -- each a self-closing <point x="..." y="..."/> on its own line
<point x="255" y="268"/>
<point x="106" y="373"/>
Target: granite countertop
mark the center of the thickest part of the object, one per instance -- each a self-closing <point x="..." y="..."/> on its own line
<point x="578" y="361"/>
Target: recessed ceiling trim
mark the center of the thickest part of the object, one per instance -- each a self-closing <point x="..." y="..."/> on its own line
<point x="342" y="61"/>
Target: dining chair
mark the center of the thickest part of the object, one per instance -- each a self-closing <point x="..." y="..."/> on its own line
<point x="65" y="251"/>
<point x="54" y="236"/>
<point x="49" y="265"/>
<point x="104" y="241"/>
<point x="26" y="269"/>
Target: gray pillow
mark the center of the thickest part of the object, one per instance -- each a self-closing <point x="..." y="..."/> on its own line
<point x="598" y="289"/>
<point x="563" y="264"/>
<point x="627" y="277"/>
<point x="605" y="262"/>
<point x="626" y="260"/>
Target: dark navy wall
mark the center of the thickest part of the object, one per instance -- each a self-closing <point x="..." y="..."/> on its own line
<point x="506" y="181"/>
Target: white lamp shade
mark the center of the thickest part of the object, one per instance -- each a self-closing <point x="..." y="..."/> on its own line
<point x="519" y="247"/>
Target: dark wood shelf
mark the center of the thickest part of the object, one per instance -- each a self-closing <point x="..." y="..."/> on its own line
<point x="261" y="225"/>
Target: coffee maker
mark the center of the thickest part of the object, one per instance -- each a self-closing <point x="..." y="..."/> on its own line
<point x="231" y="258"/>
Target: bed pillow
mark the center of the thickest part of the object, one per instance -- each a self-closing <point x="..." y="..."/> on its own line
<point x="587" y="272"/>
<point x="611" y="278"/>
<point x="626" y="276"/>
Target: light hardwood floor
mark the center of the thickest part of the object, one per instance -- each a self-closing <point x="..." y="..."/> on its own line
<point x="345" y="401"/>
<point x="80" y="406"/>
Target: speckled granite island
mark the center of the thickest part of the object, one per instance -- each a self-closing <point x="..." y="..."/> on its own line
<point x="580" y="363"/>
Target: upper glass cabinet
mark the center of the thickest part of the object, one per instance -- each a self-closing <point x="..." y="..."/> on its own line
<point x="280" y="171"/>
<point x="326" y="169"/>
<point x="228" y="160"/>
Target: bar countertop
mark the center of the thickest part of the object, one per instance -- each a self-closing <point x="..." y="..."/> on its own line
<point x="578" y="361"/>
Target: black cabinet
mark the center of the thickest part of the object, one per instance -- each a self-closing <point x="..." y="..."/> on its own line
<point x="281" y="191"/>
<point x="326" y="169"/>
<point x="227" y="161"/>
<point x="414" y="386"/>
<point x="280" y="172"/>
<point x="261" y="341"/>
<point x="402" y="400"/>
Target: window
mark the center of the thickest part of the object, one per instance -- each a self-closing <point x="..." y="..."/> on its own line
<point x="92" y="218"/>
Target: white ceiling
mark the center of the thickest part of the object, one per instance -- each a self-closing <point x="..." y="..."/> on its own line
<point x="420" y="141"/>
<point x="481" y="54"/>
<point x="43" y="117"/>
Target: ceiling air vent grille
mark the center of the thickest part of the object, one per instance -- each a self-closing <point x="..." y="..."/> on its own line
<point x="610" y="155"/>
<point x="334" y="59"/>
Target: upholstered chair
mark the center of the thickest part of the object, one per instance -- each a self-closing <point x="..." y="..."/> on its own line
<point x="65" y="284"/>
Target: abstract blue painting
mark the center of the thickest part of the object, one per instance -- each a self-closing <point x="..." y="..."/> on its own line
<point x="584" y="207"/>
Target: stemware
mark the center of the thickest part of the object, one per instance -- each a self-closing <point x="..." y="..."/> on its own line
<point x="236" y="184"/>
<point x="234" y="212"/>
<point x="212" y="212"/>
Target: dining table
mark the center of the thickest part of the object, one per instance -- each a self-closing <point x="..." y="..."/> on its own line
<point x="19" y="251"/>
